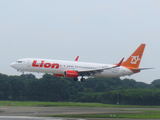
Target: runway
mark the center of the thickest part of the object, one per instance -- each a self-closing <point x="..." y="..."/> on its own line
<point x="30" y="118"/>
<point x="36" y="113"/>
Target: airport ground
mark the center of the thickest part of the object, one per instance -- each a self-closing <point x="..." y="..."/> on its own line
<point x="39" y="112"/>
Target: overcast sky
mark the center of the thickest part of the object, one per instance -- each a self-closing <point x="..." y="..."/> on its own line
<point x="99" y="31"/>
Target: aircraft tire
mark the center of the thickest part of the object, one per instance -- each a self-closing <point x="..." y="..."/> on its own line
<point x="82" y="79"/>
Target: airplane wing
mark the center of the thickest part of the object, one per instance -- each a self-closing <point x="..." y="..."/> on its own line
<point x="89" y="72"/>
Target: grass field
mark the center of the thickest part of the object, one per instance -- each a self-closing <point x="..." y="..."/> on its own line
<point x="68" y="104"/>
<point x="145" y="114"/>
<point x="142" y="113"/>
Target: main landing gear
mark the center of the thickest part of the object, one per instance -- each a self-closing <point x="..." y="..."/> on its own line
<point x="82" y="79"/>
<point x="22" y="74"/>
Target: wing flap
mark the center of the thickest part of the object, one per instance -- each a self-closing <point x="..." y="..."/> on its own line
<point x="94" y="71"/>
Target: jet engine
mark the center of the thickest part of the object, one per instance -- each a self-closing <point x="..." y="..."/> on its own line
<point x="71" y="74"/>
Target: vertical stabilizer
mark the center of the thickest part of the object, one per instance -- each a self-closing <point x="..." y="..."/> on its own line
<point x="134" y="60"/>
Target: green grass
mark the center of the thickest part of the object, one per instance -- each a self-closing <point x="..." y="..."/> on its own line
<point x="146" y="114"/>
<point x="54" y="104"/>
<point x="142" y="113"/>
<point x="69" y="104"/>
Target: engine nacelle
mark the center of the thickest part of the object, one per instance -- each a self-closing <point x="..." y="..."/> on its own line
<point x="71" y="74"/>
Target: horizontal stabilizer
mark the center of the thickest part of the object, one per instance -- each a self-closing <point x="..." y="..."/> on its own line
<point x="138" y="69"/>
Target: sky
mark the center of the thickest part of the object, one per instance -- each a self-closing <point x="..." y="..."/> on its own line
<point x="99" y="31"/>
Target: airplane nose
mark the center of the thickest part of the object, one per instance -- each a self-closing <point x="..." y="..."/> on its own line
<point x="13" y="64"/>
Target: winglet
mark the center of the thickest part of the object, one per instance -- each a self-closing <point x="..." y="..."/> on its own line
<point x="120" y="63"/>
<point x="76" y="58"/>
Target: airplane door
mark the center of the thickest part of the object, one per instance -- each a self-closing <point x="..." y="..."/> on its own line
<point x="28" y="63"/>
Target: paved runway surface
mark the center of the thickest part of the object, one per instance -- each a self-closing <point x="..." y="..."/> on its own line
<point x="35" y="113"/>
<point x="30" y="118"/>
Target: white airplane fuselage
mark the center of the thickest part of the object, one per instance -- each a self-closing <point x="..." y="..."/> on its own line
<point x="58" y="67"/>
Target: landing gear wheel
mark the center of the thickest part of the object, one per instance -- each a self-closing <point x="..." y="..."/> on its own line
<point x="75" y="79"/>
<point x="82" y="79"/>
<point x="22" y="74"/>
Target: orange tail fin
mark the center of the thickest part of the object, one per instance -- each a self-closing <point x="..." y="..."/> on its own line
<point x="134" y="60"/>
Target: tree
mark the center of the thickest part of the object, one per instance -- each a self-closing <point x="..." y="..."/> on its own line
<point x="100" y="87"/>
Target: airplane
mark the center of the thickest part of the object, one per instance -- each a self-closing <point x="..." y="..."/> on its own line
<point x="74" y="69"/>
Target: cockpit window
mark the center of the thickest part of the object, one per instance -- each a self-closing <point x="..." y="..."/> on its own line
<point x="19" y="61"/>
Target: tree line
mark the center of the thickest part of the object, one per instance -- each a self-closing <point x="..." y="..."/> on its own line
<point x="101" y="90"/>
